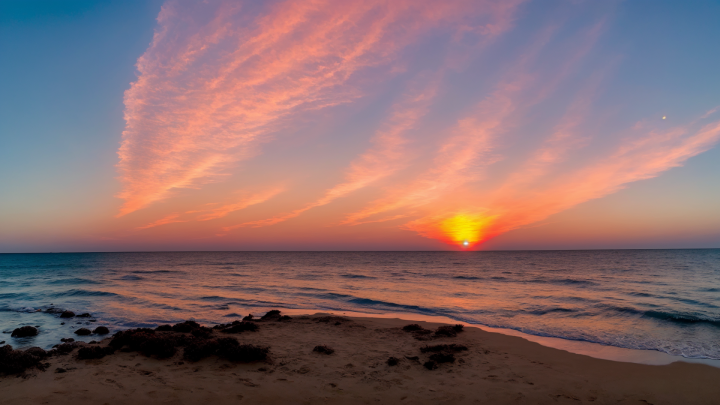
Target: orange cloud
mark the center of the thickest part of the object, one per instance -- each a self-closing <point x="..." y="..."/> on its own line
<point x="217" y="82"/>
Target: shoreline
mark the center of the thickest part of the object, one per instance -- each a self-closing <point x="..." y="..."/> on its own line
<point x="473" y="364"/>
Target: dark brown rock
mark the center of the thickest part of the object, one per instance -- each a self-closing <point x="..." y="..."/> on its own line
<point x="430" y="365"/>
<point x="83" y="332"/>
<point x="67" y="314"/>
<point x="393" y="361"/>
<point x="324" y="349"/>
<point x="67" y="340"/>
<point x="101" y="330"/>
<point x="24" y="331"/>
<point x="412" y="327"/>
<point x="17" y="361"/>
<point x="84" y="315"/>
<point x="272" y="315"/>
<point x="94" y="352"/>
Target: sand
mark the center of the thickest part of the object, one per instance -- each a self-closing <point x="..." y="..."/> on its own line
<point x="496" y="369"/>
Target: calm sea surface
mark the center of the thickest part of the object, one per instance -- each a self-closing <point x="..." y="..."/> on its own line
<point x="666" y="300"/>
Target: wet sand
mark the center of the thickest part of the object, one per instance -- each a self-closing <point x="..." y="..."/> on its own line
<point x="495" y="369"/>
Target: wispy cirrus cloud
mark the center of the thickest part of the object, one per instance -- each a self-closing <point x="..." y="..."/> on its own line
<point x="220" y="78"/>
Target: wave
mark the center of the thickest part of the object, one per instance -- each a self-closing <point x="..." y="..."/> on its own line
<point x="131" y="277"/>
<point x="357" y="276"/>
<point x="563" y="281"/>
<point x="83" y="293"/>
<point x="467" y="278"/>
<point x="681" y="318"/>
<point x="157" y="271"/>
<point x="73" y="281"/>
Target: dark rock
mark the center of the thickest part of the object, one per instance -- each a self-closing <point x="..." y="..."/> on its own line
<point x="60" y="370"/>
<point x="53" y="310"/>
<point x="101" y="330"/>
<point x="84" y="315"/>
<point x="430" y="365"/>
<point x="443" y="358"/>
<point x="284" y="318"/>
<point x="412" y="327"/>
<point x="67" y="314"/>
<point x="83" y="332"/>
<point x="62" y="323"/>
<point x="67" y="340"/>
<point x="164" y="328"/>
<point x="148" y="342"/>
<point x="202" y="332"/>
<point x="331" y="319"/>
<point x="458" y="328"/>
<point x="17" y="361"/>
<point x="447" y="331"/>
<point x="24" y="331"/>
<point x="199" y="350"/>
<point x="37" y="352"/>
<point x="237" y="327"/>
<point x="324" y="349"/>
<point x="272" y="315"/>
<point x="2" y="343"/>
<point x="248" y="318"/>
<point x="92" y="342"/>
<point x="245" y="353"/>
<point x="94" y="352"/>
<point x="185" y="327"/>
<point x="64" y="348"/>
<point x="393" y="361"/>
<point x="453" y="348"/>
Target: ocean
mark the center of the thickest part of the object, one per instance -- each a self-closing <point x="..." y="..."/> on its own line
<point x="664" y="300"/>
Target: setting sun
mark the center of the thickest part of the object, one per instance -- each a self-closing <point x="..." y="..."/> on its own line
<point x="465" y="229"/>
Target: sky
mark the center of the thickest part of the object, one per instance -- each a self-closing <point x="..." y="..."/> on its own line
<point x="373" y="125"/>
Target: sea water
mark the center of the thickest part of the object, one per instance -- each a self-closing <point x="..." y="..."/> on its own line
<point x="665" y="300"/>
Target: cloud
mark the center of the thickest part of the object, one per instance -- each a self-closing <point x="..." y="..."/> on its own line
<point x="220" y="78"/>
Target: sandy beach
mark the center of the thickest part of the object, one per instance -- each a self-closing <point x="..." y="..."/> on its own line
<point x="474" y="366"/>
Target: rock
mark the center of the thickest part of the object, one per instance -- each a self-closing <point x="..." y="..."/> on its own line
<point x="164" y="328"/>
<point x="17" y="361"/>
<point x="60" y="370"/>
<point x="271" y="315"/>
<point x="324" y="349"/>
<point x="84" y="315"/>
<point x="94" y="352"/>
<point x="67" y="340"/>
<point x="64" y="348"/>
<point x="248" y="318"/>
<point x="453" y="348"/>
<point x="430" y="365"/>
<point x="37" y="352"/>
<point x="83" y="332"/>
<point x="448" y="331"/>
<point x="186" y="326"/>
<point x="2" y="343"/>
<point x="393" y="361"/>
<point x="237" y="327"/>
<point x="443" y="358"/>
<point x="284" y="318"/>
<point x="412" y="327"/>
<point x="62" y="323"/>
<point x="101" y="330"/>
<point x="24" y="331"/>
<point x="67" y="314"/>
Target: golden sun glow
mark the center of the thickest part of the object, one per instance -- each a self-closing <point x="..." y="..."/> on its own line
<point x="465" y="229"/>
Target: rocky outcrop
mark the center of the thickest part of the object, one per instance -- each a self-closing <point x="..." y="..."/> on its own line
<point x="24" y="331"/>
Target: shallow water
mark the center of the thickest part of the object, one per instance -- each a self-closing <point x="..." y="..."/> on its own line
<point x="666" y="300"/>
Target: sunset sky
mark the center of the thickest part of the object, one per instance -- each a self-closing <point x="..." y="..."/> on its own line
<point x="359" y="125"/>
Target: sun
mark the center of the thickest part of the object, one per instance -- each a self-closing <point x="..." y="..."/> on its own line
<point x="465" y="229"/>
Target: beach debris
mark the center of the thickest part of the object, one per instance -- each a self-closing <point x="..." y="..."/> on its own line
<point x="453" y="348"/>
<point x="164" y="328"/>
<point x="17" y="361"/>
<point x="67" y="340"/>
<point x="101" y="330"/>
<point x="94" y="352"/>
<point x="67" y="314"/>
<point x="412" y="327"/>
<point x="324" y="349"/>
<point x="83" y="332"/>
<point x="24" y="331"/>
<point x="430" y="365"/>
<point x="84" y="315"/>
<point x="273" y="314"/>
<point x="393" y="361"/>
